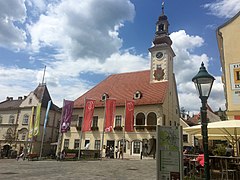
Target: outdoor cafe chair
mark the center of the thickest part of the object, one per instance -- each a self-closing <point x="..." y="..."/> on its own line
<point x="225" y="171"/>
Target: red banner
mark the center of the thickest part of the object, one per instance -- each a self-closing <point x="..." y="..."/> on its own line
<point x="66" y="115"/>
<point x="88" y="114"/>
<point x="129" y="116"/>
<point x="110" y="109"/>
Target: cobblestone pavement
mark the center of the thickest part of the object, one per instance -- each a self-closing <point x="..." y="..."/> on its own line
<point x="111" y="169"/>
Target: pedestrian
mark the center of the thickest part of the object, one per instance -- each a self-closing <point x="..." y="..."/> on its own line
<point x="121" y="152"/>
<point x="116" y="152"/>
<point x="111" y="152"/>
<point x="107" y="152"/>
<point x="21" y="155"/>
<point x="63" y="154"/>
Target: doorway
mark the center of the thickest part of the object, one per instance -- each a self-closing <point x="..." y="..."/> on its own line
<point x="110" y="143"/>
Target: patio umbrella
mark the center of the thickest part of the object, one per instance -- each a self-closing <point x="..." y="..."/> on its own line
<point x="229" y="129"/>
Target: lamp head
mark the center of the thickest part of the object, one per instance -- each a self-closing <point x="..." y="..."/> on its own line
<point x="203" y="82"/>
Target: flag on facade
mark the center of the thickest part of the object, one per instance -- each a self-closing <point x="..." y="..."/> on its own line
<point x="37" y="120"/>
<point x="46" y="116"/>
<point x="88" y="114"/>
<point x="110" y="109"/>
<point x="30" y="131"/>
<point x="129" y="116"/>
<point x="66" y="115"/>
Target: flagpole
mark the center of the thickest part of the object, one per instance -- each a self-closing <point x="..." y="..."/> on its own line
<point x="60" y="133"/>
<point x="44" y="74"/>
<point x="124" y="126"/>
<point x="80" y="142"/>
<point x="44" y="128"/>
<point x="41" y="148"/>
<point x="103" y="129"/>
<point x="32" y="116"/>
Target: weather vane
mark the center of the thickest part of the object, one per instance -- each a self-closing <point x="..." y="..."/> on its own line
<point x="162" y="7"/>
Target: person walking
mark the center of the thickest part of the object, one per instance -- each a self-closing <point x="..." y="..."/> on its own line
<point x="116" y="152"/>
<point x="121" y="152"/>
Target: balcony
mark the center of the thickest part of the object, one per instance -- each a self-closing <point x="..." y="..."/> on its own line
<point x="151" y="127"/>
<point x="140" y="127"/>
<point x="118" y="128"/>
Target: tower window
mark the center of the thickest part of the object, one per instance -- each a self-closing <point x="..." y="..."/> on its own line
<point x="161" y="27"/>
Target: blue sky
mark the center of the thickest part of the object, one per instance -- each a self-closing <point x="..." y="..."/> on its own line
<point x="83" y="41"/>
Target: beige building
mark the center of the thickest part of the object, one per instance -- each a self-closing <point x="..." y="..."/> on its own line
<point x="156" y="102"/>
<point x="15" y="116"/>
<point x="228" y="38"/>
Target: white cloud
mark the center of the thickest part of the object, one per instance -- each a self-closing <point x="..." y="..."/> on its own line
<point x="11" y="36"/>
<point x="186" y="66"/>
<point x="223" y="8"/>
<point x="81" y="29"/>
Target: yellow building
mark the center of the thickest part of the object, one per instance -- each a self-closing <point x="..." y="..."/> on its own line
<point x="14" y="123"/>
<point x="228" y="38"/>
<point x="156" y="102"/>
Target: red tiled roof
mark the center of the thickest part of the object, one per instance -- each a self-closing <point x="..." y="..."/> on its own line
<point x="123" y="86"/>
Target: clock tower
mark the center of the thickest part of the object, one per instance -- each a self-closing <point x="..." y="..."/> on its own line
<point x="161" y="52"/>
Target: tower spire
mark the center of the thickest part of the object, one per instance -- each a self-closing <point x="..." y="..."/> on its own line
<point x="162" y="7"/>
<point x="43" y="74"/>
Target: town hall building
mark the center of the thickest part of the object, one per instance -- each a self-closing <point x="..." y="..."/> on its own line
<point x="155" y="96"/>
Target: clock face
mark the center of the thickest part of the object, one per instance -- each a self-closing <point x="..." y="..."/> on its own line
<point x="159" y="55"/>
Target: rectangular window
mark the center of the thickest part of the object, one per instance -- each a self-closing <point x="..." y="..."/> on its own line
<point x="175" y="123"/>
<point x="237" y="75"/>
<point x="170" y="123"/>
<point x="118" y="121"/>
<point x="76" y="143"/>
<point x="25" y="120"/>
<point x="185" y="138"/>
<point x="23" y="136"/>
<point x="164" y="119"/>
<point x="97" y="145"/>
<point x="95" y="121"/>
<point x="66" y="143"/>
<point x="11" y="119"/>
<point x="80" y="121"/>
<point x="136" y="147"/>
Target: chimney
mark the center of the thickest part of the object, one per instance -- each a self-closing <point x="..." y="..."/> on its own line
<point x="20" y="98"/>
<point x="10" y="98"/>
<point x="25" y="97"/>
<point x="7" y="98"/>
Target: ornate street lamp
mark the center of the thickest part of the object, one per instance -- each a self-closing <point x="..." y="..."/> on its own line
<point x="203" y="82"/>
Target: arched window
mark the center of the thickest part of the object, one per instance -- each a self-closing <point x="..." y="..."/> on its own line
<point x="1" y="119"/>
<point x="140" y="119"/>
<point x="11" y="119"/>
<point x="151" y="119"/>
<point x="25" y="119"/>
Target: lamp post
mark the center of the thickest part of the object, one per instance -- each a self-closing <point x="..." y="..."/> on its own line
<point x="203" y="82"/>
